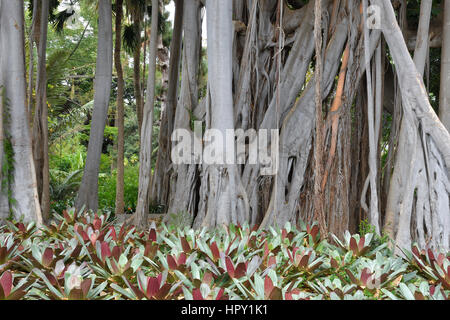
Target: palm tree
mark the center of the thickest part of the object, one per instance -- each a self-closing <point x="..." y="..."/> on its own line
<point x="133" y="42"/>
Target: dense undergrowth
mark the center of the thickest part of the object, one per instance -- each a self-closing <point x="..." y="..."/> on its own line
<point x="91" y="257"/>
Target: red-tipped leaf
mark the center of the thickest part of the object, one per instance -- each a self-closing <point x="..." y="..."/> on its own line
<point x="353" y="246"/>
<point x="215" y="250"/>
<point x="185" y="245"/>
<point x="240" y="270"/>
<point x="268" y="287"/>
<point x="47" y="257"/>
<point x="152" y="235"/>
<point x="230" y="266"/>
<point x="86" y="286"/>
<point x="152" y="287"/>
<point x="197" y="295"/>
<point x="6" y="281"/>
<point x="171" y="262"/>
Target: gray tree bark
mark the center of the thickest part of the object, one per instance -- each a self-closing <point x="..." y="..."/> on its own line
<point x="4" y="186"/>
<point x="422" y="40"/>
<point x="161" y="178"/>
<point x="221" y="201"/>
<point x="88" y="192"/>
<point x="373" y="139"/>
<point x="444" y="95"/>
<point x="424" y="135"/>
<point x="145" y="169"/>
<point x="184" y="175"/>
<point x="24" y="189"/>
<point x="120" y="110"/>
<point x="40" y="123"/>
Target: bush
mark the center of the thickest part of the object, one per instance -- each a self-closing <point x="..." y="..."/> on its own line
<point x="107" y="189"/>
<point x="90" y="257"/>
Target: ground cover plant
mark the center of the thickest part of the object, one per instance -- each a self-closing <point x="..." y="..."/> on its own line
<point x="92" y="257"/>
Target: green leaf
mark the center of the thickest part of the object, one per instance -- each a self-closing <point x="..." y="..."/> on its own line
<point x="136" y="263"/>
<point x="124" y="292"/>
<point x="123" y="260"/>
<point x="406" y="291"/>
<point x="41" y="275"/>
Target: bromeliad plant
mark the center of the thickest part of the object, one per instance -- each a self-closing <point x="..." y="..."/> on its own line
<point x="91" y="257"/>
<point x="435" y="267"/>
<point x="9" y="249"/>
<point x="9" y="291"/>
<point x="68" y="283"/>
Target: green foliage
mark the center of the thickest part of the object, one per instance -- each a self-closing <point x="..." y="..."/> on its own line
<point x="90" y="257"/>
<point x="365" y="228"/>
<point x="203" y="74"/>
<point x="71" y="61"/>
<point x="63" y="186"/>
<point x="130" y="38"/>
<point x="66" y="161"/>
<point x="107" y="189"/>
<point x="413" y="11"/>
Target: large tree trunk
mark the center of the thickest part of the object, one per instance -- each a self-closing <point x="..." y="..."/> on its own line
<point x="4" y="185"/>
<point x="296" y="142"/>
<point x="120" y="111"/>
<point x="145" y="169"/>
<point x="444" y="93"/>
<point x="23" y="189"/>
<point x="423" y="139"/>
<point x="88" y="193"/>
<point x="40" y="123"/>
<point x="161" y="178"/>
<point x="261" y="78"/>
<point x="185" y="175"/>
<point x="292" y="80"/>
<point x="422" y="42"/>
<point x="318" y="139"/>
<point x="222" y="201"/>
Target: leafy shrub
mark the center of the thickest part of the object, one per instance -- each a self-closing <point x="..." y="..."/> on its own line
<point x="107" y="189"/>
<point x="91" y="257"/>
<point x="365" y="227"/>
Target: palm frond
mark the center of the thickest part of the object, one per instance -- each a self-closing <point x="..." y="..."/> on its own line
<point x="60" y="19"/>
<point x="130" y="38"/>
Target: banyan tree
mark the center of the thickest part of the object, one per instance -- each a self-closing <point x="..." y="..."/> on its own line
<point x="326" y="75"/>
<point x="334" y="96"/>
